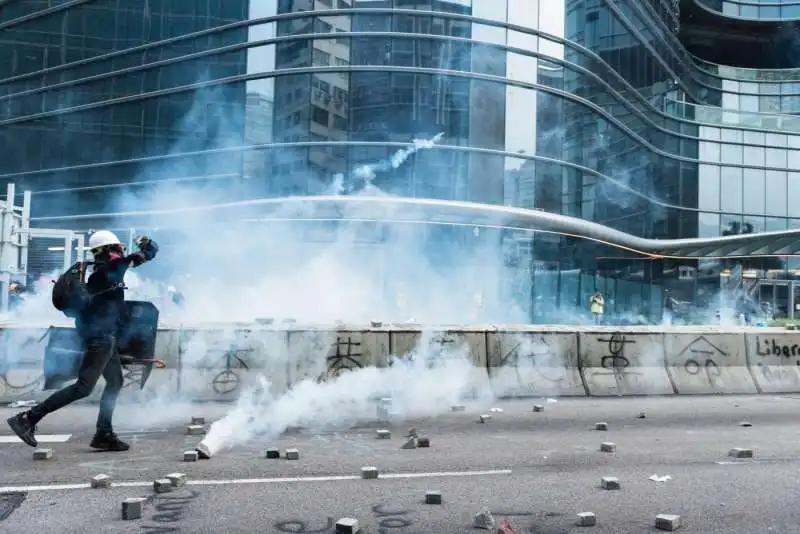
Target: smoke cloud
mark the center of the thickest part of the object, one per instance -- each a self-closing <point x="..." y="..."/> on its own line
<point x="420" y="384"/>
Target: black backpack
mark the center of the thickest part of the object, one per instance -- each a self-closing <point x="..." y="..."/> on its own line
<point x="70" y="294"/>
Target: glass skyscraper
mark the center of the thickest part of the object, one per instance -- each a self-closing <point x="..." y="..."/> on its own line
<point x="622" y="112"/>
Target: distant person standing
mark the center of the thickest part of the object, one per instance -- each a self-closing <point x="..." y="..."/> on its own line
<point x="597" y="306"/>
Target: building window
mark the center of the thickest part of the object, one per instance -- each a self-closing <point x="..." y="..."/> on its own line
<point x="320" y="26"/>
<point x="319" y="115"/>
<point x="321" y="58"/>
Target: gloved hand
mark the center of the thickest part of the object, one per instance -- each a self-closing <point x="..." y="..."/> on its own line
<point x="147" y="247"/>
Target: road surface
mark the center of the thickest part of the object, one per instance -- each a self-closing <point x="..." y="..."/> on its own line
<point x="538" y="470"/>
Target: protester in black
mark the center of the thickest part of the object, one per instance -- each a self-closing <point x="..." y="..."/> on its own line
<point x="98" y="325"/>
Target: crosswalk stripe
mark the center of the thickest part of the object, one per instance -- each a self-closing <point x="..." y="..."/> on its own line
<point x="42" y="438"/>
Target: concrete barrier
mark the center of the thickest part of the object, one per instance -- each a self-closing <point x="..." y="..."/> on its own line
<point x="445" y="343"/>
<point x="526" y="361"/>
<point x="774" y="359"/>
<point x="21" y="357"/>
<point x="707" y="362"/>
<point x="325" y="354"/>
<point x="623" y="362"/>
<point x="218" y="362"/>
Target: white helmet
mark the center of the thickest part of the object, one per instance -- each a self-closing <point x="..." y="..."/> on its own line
<point x="103" y="238"/>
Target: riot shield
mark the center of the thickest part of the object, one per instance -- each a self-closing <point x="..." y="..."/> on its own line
<point x="136" y="344"/>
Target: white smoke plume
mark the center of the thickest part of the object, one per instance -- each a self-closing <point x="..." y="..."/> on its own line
<point x="417" y="386"/>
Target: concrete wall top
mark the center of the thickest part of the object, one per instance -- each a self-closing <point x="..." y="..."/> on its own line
<point x="417" y="328"/>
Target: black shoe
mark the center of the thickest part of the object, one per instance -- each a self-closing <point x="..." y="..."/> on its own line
<point x="24" y="428"/>
<point x="108" y="441"/>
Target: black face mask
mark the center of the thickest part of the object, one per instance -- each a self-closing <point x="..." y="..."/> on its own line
<point x="109" y="253"/>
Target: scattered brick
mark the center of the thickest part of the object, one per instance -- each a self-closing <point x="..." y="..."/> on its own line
<point x="601" y="426"/>
<point x="483" y="520"/>
<point x="42" y="454"/>
<point x="383" y="434"/>
<point x="484" y="418"/>
<point x="132" y="508"/>
<point x="177" y="479"/>
<point x="458" y="408"/>
<point x="586" y="519"/>
<point x="608" y="447"/>
<point x="668" y="522"/>
<point x="433" y="497"/>
<point x="369" y="473"/>
<point x="538" y="408"/>
<point x="610" y="483"/>
<point x="411" y="443"/>
<point x="101" y="481"/>
<point x="195" y="430"/>
<point x="190" y="456"/>
<point x="740" y="453"/>
<point x="162" y="485"/>
<point x="347" y="525"/>
<point x="423" y="442"/>
<point x="273" y="454"/>
<point x="292" y="454"/>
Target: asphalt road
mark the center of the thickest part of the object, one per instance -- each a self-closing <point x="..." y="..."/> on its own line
<point x="538" y="470"/>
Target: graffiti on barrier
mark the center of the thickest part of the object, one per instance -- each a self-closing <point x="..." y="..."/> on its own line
<point x="534" y="354"/>
<point x="700" y="357"/>
<point x="772" y="347"/>
<point x="616" y="361"/>
<point x="344" y="356"/>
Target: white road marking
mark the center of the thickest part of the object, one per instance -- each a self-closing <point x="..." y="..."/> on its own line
<point x="280" y="480"/>
<point x="43" y="438"/>
<point x="751" y="461"/>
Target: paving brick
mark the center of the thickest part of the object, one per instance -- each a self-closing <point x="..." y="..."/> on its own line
<point x="190" y="456"/>
<point x="642" y="415"/>
<point x="601" y="426"/>
<point x="745" y="424"/>
<point x="423" y="442"/>
<point x="483" y="520"/>
<point x="668" y="522"/>
<point x="195" y="430"/>
<point x="42" y="454"/>
<point x="101" y="481"/>
<point x="411" y="443"/>
<point x="740" y="453"/>
<point x="273" y="454"/>
<point x="483" y="418"/>
<point x="607" y="446"/>
<point x="610" y="483"/>
<point x="383" y="434"/>
<point x="162" y="485"/>
<point x="586" y="519"/>
<point x="369" y="473"/>
<point x="347" y="525"/>
<point x="458" y="408"/>
<point x="198" y="420"/>
<point x="133" y="508"/>
<point x="292" y="454"/>
<point x="433" y="497"/>
<point x="538" y="408"/>
<point x="177" y="479"/>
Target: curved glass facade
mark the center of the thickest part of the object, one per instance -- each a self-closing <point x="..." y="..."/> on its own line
<point x="755" y="9"/>
<point x="575" y="107"/>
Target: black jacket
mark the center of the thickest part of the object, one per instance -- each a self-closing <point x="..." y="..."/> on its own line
<point x="104" y="314"/>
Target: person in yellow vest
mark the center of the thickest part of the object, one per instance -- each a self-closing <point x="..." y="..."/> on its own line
<point x="597" y="307"/>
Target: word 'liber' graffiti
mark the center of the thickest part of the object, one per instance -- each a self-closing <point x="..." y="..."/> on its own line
<point x="770" y="347"/>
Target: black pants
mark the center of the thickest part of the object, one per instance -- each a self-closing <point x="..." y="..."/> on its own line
<point x="100" y="358"/>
